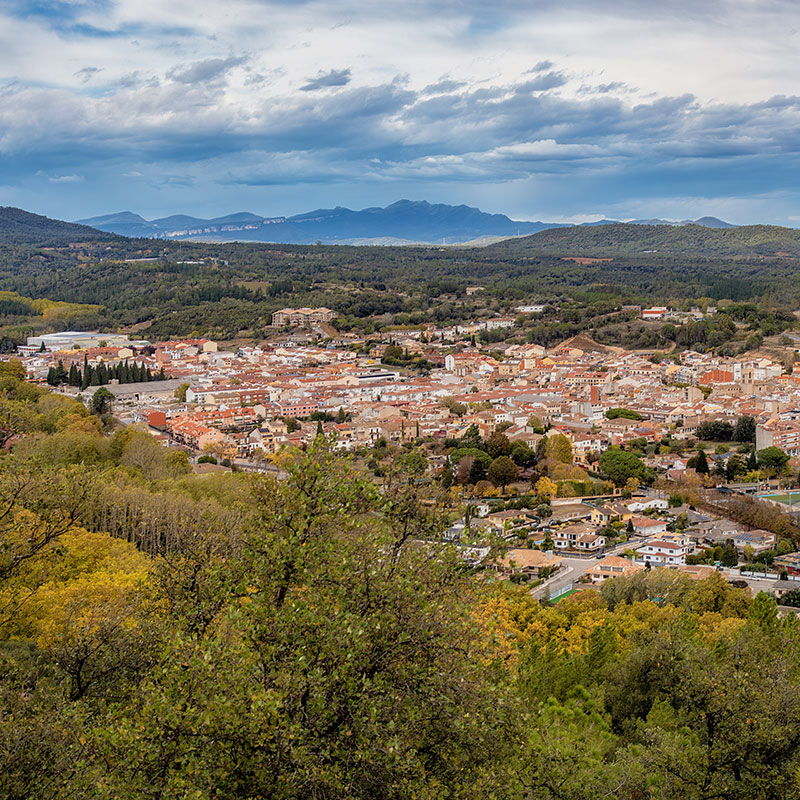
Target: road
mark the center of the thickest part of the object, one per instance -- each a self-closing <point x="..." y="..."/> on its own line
<point x="573" y="568"/>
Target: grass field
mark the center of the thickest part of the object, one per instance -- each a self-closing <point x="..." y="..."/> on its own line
<point x="792" y="499"/>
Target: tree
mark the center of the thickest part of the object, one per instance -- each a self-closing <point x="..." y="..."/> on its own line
<point x="498" y="445"/>
<point x="735" y="466"/>
<point x="745" y="429"/>
<point x="624" y="413"/>
<point x="701" y="463"/>
<point x="729" y="556"/>
<point x="180" y="392"/>
<point x="772" y="458"/>
<point x="620" y="465"/>
<point x="546" y="488"/>
<point x="558" y="448"/>
<point x="522" y="455"/>
<point x="535" y="424"/>
<point x="502" y="471"/>
<point x="101" y="401"/>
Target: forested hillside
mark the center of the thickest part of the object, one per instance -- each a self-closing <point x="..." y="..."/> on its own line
<point x="18" y="227"/>
<point x="690" y="241"/>
<point x="227" y="291"/>
<point x="169" y="635"/>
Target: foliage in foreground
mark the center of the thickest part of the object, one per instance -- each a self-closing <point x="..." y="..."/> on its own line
<point x="243" y="637"/>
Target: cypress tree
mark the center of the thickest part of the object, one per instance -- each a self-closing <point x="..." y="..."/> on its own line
<point x="51" y="379"/>
<point x="73" y="379"/>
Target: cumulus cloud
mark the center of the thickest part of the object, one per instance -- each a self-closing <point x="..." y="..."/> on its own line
<point x="336" y="77"/>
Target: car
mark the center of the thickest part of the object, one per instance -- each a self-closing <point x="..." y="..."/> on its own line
<point x="600" y="555"/>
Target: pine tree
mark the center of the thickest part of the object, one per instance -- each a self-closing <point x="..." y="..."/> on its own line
<point x="701" y="464"/>
<point x="51" y="376"/>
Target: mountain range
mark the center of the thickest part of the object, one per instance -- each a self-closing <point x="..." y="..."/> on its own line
<point x="403" y="222"/>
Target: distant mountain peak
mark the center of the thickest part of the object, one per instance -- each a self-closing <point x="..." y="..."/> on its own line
<point x="405" y="220"/>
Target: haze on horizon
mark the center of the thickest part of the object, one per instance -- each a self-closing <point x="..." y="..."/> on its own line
<point x="558" y="112"/>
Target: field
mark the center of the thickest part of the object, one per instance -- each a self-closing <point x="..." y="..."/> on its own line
<point x="790" y="499"/>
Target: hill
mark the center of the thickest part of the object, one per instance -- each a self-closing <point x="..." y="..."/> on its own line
<point x="18" y="227"/>
<point x="632" y="239"/>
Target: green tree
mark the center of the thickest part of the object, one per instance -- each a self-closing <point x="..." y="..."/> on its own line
<point x="772" y="458"/>
<point x="101" y="401"/>
<point x="180" y="392"/>
<point x="620" y="465"/>
<point x="502" y="471"/>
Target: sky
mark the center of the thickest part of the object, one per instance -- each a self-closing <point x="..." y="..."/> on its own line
<point x="555" y="110"/>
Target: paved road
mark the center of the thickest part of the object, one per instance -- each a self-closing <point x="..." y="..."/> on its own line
<point x="571" y="570"/>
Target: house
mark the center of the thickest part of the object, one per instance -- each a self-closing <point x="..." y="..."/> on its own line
<point x="757" y="541"/>
<point x="578" y="537"/>
<point x="789" y="563"/>
<point x="645" y="526"/>
<point x="612" y="567"/>
<point x="610" y="512"/>
<point x="665" y="552"/>
<point x="639" y="504"/>
<point x="779" y="588"/>
<point x="526" y="562"/>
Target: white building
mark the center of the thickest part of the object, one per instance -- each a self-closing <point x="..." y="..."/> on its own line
<point x="665" y="552"/>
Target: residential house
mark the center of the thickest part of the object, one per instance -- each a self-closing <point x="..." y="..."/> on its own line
<point x="612" y="567"/>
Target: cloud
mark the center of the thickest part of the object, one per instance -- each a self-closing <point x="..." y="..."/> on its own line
<point x="336" y="77"/>
<point x="65" y="179"/>
<point x="208" y="71"/>
<point x="553" y="102"/>
<point x="87" y="73"/>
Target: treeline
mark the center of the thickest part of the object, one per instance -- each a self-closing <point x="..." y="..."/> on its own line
<point x="404" y="285"/>
<point x="100" y="375"/>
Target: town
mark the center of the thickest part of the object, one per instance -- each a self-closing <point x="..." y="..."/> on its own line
<point x="587" y="461"/>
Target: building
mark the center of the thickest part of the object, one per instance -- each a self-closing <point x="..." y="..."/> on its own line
<point x="300" y="317"/>
<point x="612" y="567"/>
<point x="656" y="312"/>
<point x="527" y="562"/>
<point x="72" y="340"/>
<point x="784" y="434"/>
<point x="646" y="526"/>
<point x="665" y="552"/>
